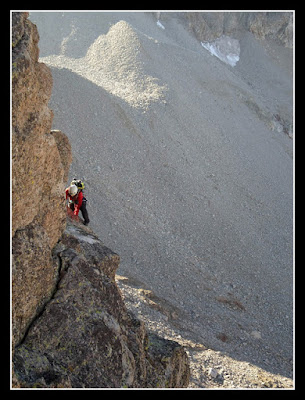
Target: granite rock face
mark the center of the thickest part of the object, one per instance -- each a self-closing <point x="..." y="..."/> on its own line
<point x="85" y="336"/>
<point x="41" y="160"/>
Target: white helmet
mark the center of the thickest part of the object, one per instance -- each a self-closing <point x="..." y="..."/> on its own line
<point x="73" y="190"/>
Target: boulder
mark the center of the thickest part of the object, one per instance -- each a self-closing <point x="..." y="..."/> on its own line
<point x="85" y="337"/>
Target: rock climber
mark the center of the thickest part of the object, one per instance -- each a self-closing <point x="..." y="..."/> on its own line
<point x="76" y="199"/>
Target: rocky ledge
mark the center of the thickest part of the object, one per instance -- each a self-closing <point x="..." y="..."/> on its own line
<point x="85" y="337"/>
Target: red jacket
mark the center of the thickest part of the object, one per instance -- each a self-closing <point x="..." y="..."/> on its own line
<point x="77" y="200"/>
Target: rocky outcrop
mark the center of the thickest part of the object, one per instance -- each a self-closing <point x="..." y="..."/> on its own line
<point x="208" y="26"/>
<point x="85" y="336"/>
<point x="70" y="326"/>
<point x="41" y="160"/>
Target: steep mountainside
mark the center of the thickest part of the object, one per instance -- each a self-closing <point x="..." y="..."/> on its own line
<point x="40" y="164"/>
<point x="188" y="166"/>
<point x="70" y="326"/>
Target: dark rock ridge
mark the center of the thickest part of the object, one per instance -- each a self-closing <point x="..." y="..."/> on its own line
<point x="208" y="26"/>
<point x="85" y="336"/>
<point x="70" y="326"/>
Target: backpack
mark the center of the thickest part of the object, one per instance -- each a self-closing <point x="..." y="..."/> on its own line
<point x="78" y="183"/>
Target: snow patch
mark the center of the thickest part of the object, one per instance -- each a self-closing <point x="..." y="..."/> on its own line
<point x="160" y="25"/>
<point x="225" y="48"/>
